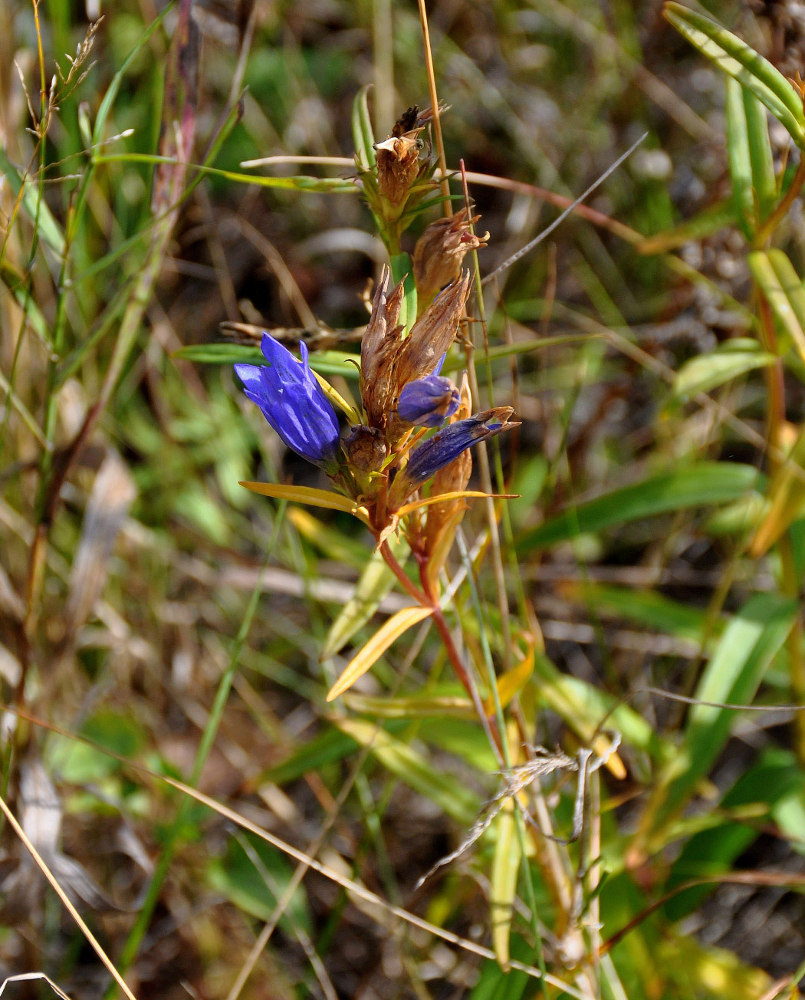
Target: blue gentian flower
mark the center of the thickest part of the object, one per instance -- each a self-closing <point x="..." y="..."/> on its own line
<point x="445" y="446"/>
<point x="293" y="402"/>
<point x="428" y="401"/>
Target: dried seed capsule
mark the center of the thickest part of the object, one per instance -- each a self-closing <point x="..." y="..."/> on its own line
<point x="440" y="250"/>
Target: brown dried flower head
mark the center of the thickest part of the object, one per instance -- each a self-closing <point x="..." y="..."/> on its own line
<point x="440" y="250"/>
<point x="379" y="349"/>
<point x="433" y="333"/>
<point x="398" y="156"/>
<point x="389" y="361"/>
<point x="398" y="165"/>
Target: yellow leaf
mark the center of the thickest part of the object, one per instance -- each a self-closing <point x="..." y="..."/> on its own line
<point x="309" y="496"/>
<point x="510" y="683"/>
<point x="453" y="495"/>
<point x="376" y="646"/>
<point x="505" y="866"/>
<point x="787" y="495"/>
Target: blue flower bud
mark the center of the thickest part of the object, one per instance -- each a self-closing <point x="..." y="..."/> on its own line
<point x="445" y="446"/>
<point x="428" y="401"/>
<point x="293" y="402"/>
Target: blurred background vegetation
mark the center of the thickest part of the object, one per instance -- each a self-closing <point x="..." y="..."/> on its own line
<point x="158" y="621"/>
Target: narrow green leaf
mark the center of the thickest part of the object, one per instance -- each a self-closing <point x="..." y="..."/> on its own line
<point x="401" y="267"/>
<point x="324" y="362"/>
<point x="300" y="182"/>
<point x="646" y="608"/>
<point x="747" y="648"/>
<point x="769" y="782"/>
<point x="254" y="876"/>
<point x="781" y="285"/>
<point x="764" y="183"/>
<point x="18" y="286"/>
<point x="362" y="132"/>
<point x="740" y="163"/>
<point x="495" y="983"/>
<point x="314" y="756"/>
<point x="728" y="361"/>
<point x="220" y="354"/>
<point x="703" y="484"/>
<point x="117" y="80"/>
<point x="586" y="708"/>
<point x="453" y="797"/>
<point x="733" y="56"/>
<point x="35" y="206"/>
<point x="375" y="582"/>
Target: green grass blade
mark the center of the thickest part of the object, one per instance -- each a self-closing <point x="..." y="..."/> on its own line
<point x="703" y="484"/>
<point x="745" y="651"/>
<point x="414" y="769"/>
<point x="740" y="163"/>
<point x="375" y="582"/>
<point x="782" y="287"/>
<point x="299" y="182"/>
<point x="362" y="133"/>
<point x="733" y="56"/>
<point x="324" y="362"/>
<point x="119" y="77"/>
<point x="503" y="882"/>
<point x="728" y="361"/>
<point x="34" y="205"/>
<point x="764" y="183"/>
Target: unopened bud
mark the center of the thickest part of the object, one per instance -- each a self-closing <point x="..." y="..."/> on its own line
<point x="428" y="401"/>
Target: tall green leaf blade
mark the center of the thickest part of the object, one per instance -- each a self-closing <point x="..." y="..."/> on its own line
<point x="701" y="485"/>
<point x="764" y="183"/>
<point x="740" y="162"/>
<point x="767" y="783"/>
<point x="414" y="769"/>
<point x="782" y="287"/>
<point x="728" y="361"/>
<point x="362" y="132"/>
<point x="733" y="56"/>
<point x="745" y="651"/>
<point x="324" y="362"/>
<point x="34" y="205"/>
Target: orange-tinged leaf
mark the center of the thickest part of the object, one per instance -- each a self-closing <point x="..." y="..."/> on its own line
<point x="787" y="495"/>
<point x="454" y="495"/>
<point x="309" y="496"/>
<point x="369" y="654"/>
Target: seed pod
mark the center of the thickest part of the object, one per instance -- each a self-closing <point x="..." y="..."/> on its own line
<point x="439" y="253"/>
<point x="365" y="448"/>
<point x="398" y="165"/>
<point x="379" y="350"/>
